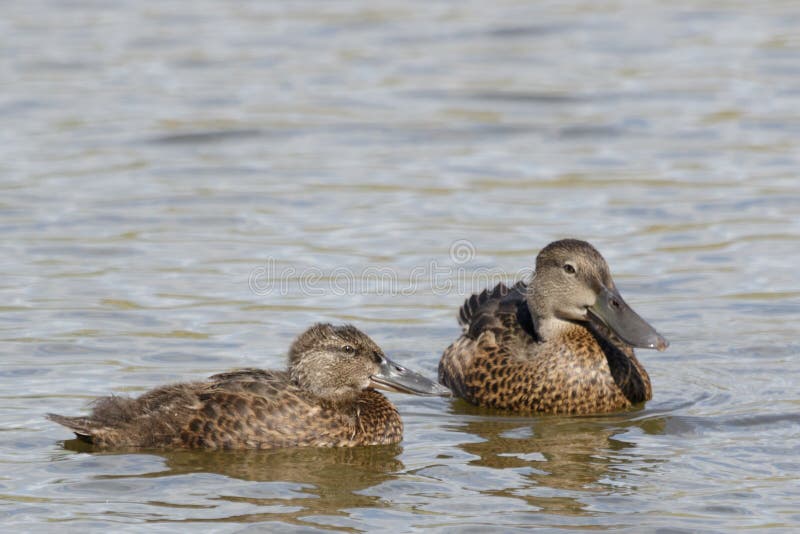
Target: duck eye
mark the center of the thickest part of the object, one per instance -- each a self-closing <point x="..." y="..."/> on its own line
<point x="348" y="349"/>
<point x="376" y="357"/>
<point x="569" y="268"/>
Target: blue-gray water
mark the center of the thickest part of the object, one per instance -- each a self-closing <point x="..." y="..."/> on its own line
<point x="187" y="186"/>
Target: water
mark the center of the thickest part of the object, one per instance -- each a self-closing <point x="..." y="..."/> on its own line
<point x="186" y="189"/>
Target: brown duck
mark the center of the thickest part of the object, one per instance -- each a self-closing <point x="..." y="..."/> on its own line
<point x="560" y="343"/>
<point x="324" y="399"/>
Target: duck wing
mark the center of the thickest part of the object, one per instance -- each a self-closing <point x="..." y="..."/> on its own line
<point x="501" y="307"/>
<point x="265" y="382"/>
<point x="494" y="320"/>
<point x="248" y="374"/>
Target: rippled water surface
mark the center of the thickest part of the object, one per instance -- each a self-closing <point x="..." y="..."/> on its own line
<point x="185" y="187"/>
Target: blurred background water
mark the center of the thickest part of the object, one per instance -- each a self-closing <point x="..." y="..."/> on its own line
<point x="187" y="186"/>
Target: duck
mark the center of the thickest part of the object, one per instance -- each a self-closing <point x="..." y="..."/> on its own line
<point x="327" y="397"/>
<point x="560" y="342"/>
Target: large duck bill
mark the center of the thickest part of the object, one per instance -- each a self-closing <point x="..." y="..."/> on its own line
<point x="612" y="311"/>
<point x="394" y="377"/>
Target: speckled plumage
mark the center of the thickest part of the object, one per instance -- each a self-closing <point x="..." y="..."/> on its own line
<point x="503" y="361"/>
<point x="322" y="400"/>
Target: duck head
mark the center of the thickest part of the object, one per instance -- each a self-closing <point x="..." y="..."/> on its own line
<point x="572" y="283"/>
<point x="336" y="363"/>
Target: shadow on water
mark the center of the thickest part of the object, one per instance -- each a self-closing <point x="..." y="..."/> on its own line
<point x="562" y="457"/>
<point x="330" y="480"/>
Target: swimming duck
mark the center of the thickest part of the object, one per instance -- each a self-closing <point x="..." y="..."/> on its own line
<point x="560" y="343"/>
<point x="326" y="398"/>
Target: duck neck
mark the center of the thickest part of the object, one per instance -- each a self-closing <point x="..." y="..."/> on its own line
<point x="550" y="327"/>
<point x="545" y="321"/>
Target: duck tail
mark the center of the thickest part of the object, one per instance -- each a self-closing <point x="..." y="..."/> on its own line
<point x="83" y="427"/>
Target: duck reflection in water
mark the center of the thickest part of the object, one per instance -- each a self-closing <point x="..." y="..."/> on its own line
<point x="555" y="456"/>
<point x="330" y="481"/>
